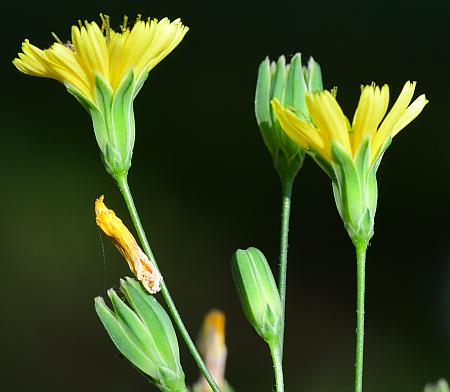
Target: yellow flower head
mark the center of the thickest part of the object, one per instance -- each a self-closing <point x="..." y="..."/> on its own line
<point x="104" y="70"/>
<point x="99" y="50"/>
<point x="370" y="121"/>
<point x="213" y="350"/>
<point x="351" y="153"/>
<point x="124" y="241"/>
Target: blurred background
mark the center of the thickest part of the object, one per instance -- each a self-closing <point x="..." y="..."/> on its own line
<point x="204" y="184"/>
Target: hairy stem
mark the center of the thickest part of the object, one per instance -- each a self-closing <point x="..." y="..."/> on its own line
<point x="361" y="247"/>
<point x="277" y="366"/>
<point x="126" y="193"/>
<point x="286" y="191"/>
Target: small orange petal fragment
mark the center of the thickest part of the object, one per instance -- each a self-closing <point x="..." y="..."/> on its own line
<point x="213" y="349"/>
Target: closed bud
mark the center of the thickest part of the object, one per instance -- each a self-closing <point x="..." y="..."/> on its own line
<point x="289" y="83"/>
<point x="143" y="333"/>
<point x="258" y="293"/>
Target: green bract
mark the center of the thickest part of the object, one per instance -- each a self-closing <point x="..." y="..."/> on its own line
<point x="113" y="120"/>
<point x="258" y="293"/>
<point x="289" y="84"/>
<point x="144" y="335"/>
<point x="355" y="189"/>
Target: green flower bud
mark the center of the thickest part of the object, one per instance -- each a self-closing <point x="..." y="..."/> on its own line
<point x="289" y="83"/>
<point x="440" y="386"/>
<point x="258" y="293"/>
<point x="144" y="334"/>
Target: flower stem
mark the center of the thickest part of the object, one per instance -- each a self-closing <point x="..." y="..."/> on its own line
<point x="126" y="193"/>
<point x="286" y="191"/>
<point x="361" y="248"/>
<point x="277" y="366"/>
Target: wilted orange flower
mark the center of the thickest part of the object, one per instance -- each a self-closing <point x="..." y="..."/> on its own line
<point x="137" y="260"/>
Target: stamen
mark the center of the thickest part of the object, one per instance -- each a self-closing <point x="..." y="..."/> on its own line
<point x="57" y="38"/>
<point x="334" y="92"/>
<point x="123" y="26"/>
<point x="106" y="27"/>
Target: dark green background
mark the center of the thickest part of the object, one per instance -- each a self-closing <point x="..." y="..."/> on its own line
<point x="204" y="185"/>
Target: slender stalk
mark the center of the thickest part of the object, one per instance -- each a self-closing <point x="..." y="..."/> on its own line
<point x="286" y="191"/>
<point x="126" y="193"/>
<point x="277" y="357"/>
<point x="361" y="247"/>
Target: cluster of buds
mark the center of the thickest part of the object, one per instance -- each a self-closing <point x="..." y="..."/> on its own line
<point x="144" y="334"/>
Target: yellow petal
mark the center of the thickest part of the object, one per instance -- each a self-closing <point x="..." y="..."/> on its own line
<point x="96" y="50"/>
<point x="90" y="48"/>
<point x="32" y="61"/>
<point x="301" y="132"/>
<point x="167" y="36"/>
<point x="387" y="126"/>
<point x="329" y="118"/>
<point x="410" y="114"/>
<point x="124" y="241"/>
<point x="371" y="109"/>
<point x="65" y="65"/>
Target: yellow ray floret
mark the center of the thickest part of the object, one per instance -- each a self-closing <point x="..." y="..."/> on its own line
<point x="100" y="50"/>
<point x="137" y="260"/>
<point x="331" y="125"/>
